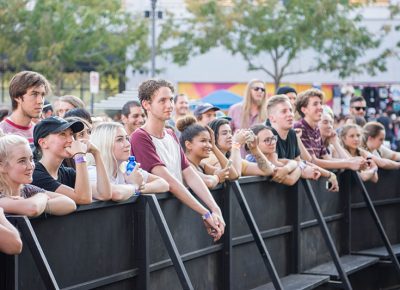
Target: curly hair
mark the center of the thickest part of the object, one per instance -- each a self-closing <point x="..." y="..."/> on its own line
<point x="148" y="88"/>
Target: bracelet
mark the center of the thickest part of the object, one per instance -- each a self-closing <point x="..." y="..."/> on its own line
<point x="236" y="145"/>
<point x="206" y="215"/>
<point x="302" y="165"/>
<point x="79" y="159"/>
<point x="137" y="190"/>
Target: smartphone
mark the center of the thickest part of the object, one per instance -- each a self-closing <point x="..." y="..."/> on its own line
<point x="369" y="160"/>
<point x="228" y="164"/>
<point x="328" y="185"/>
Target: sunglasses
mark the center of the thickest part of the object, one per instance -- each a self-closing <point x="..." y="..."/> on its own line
<point x="258" y="89"/>
<point x="270" y="140"/>
<point x="359" y="108"/>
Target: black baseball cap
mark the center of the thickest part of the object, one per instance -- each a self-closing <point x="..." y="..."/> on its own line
<point x="54" y="125"/>
<point x="201" y="109"/>
<point x="285" y="90"/>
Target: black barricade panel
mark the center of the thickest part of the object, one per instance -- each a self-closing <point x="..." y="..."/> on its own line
<point x="97" y="245"/>
<point x="83" y="246"/>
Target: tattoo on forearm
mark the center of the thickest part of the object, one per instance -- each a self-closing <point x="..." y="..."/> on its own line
<point x="261" y="160"/>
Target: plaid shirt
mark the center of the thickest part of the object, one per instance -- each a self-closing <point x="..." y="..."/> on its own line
<point x="311" y="139"/>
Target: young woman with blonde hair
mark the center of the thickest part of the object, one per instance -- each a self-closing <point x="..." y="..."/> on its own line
<point x="17" y="195"/>
<point x="113" y="143"/>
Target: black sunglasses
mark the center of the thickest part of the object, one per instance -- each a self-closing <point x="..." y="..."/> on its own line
<point x="359" y="108"/>
<point x="258" y="89"/>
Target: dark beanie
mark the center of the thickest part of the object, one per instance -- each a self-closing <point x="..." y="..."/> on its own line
<point x="285" y="90"/>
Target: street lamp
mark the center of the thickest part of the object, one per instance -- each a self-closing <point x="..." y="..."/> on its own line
<point x="153" y="38"/>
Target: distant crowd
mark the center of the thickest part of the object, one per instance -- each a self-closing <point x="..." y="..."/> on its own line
<point x="54" y="157"/>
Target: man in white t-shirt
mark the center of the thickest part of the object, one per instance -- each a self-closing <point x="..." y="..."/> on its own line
<point x="158" y="151"/>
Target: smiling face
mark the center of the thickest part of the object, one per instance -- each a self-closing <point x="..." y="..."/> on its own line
<point x="313" y="110"/>
<point x="224" y="140"/>
<point x="134" y="120"/>
<point x="19" y="165"/>
<point x="200" y="146"/>
<point x="326" y="125"/>
<point x="122" y="146"/>
<point x="56" y="144"/>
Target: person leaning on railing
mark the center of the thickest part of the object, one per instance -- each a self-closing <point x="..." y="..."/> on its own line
<point x="285" y="171"/>
<point x="54" y="141"/>
<point x="198" y="142"/>
<point x="372" y="141"/>
<point x="10" y="241"/>
<point x="350" y="136"/>
<point x="17" y="195"/>
<point x="113" y="143"/>
<point x="230" y="146"/>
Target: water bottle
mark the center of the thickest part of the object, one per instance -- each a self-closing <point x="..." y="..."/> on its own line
<point x="130" y="165"/>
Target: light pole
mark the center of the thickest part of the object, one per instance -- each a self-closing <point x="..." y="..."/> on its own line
<point x="153" y="38"/>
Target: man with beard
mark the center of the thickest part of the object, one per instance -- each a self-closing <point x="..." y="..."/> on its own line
<point x="132" y="116"/>
<point x="27" y="90"/>
<point x="309" y="106"/>
<point x="159" y="152"/>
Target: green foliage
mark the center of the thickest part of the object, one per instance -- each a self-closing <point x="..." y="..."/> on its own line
<point x="262" y="29"/>
<point x="54" y="37"/>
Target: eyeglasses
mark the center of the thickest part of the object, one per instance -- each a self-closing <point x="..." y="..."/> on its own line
<point x="270" y="140"/>
<point x="258" y="89"/>
<point x="359" y="108"/>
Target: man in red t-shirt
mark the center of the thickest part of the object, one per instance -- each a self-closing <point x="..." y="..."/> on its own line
<point x="158" y="151"/>
<point x="27" y="91"/>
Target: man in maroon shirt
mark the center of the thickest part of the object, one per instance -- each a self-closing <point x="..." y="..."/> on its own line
<point x="27" y="91"/>
<point x="158" y="151"/>
<point x="309" y="106"/>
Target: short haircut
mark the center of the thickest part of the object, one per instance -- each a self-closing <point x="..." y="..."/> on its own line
<point x="176" y="98"/>
<point x="304" y="97"/>
<point x="74" y="101"/>
<point x="126" y="108"/>
<point x="148" y="88"/>
<point x="24" y="80"/>
<point x="357" y="99"/>
<point x="275" y="100"/>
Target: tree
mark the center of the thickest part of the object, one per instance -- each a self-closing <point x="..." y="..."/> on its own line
<point x="54" y="37"/>
<point x="278" y="30"/>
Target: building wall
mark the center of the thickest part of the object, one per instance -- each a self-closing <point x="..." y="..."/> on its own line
<point x="219" y="66"/>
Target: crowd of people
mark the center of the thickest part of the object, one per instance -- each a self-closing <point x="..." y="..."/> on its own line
<point x="53" y="160"/>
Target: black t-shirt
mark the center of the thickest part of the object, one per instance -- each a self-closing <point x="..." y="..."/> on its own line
<point x="43" y="179"/>
<point x="289" y="148"/>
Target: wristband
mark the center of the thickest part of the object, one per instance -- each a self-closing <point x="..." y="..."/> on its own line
<point x="137" y="190"/>
<point x="302" y="165"/>
<point x="206" y="215"/>
<point x="79" y="159"/>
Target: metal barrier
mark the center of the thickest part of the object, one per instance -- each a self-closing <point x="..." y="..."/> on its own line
<point x="274" y="234"/>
